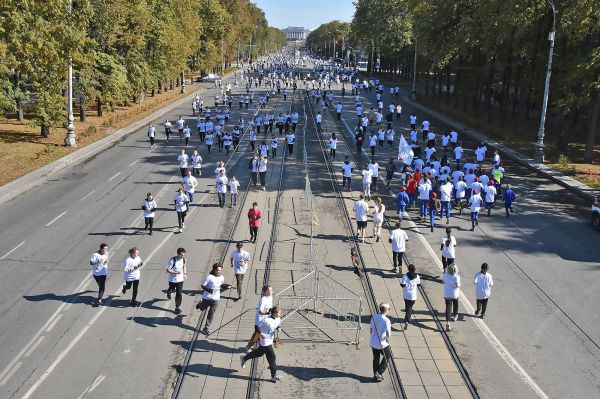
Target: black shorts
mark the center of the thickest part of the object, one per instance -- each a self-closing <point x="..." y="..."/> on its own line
<point x="361" y="224"/>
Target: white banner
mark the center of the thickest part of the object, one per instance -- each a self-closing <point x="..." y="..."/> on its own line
<point x="405" y="152"/>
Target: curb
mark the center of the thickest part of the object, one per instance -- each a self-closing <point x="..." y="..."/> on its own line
<point x="552" y="174"/>
<point x="15" y="188"/>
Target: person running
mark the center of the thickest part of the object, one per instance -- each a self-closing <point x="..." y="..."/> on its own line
<point x="332" y="145"/>
<point x="398" y="238"/>
<point x="381" y="330"/>
<point x="196" y="164"/>
<point x="99" y="263"/>
<point x="390" y="170"/>
<point x="263" y="311"/>
<point x="451" y="281"/>
<point x="268" y="327"/>
<point x="151" y="134"/>
<point x="373" y="144"/>
<point x="361" y="210"/>
<point x="410" y="285"/>
<point x="460" y="189"/>
<point x="189" y="185"/>
<point x="367" y="179"/>
<point x="273" y="146"/>
<point x="187" y="133"/>
<point x="209" y="139"/>
<point x="212" y="285"/>
<point x="347" y="168"/>
<point x="131" y="274"/>
<point x="227" y="141"/>
<point x="508" y="198"/>
<point x="262" y="171"/>
<point x="448" y="249"/>
<point x="234" y="186"/>
<point x="374" y="166"/>
<point x="476" y="203"/>
<point x="239" y="262"/>
<point x="181" y="207"/>
<point x="490" y="197"/>
<point x="254" y="216"/>
<point x="402" y="201"/>
<point x="183" y="159"/>
<point x="378" y="212"/>
<point x="167" y="125"/>
<point x="180" y="127"/>
<point x="221" y="183"/>
<point x="483" y="289"/>
<point x="149" y="207"/>
<point x="424" y="196"/>
<point x="176" y="273"/>
<point x="290" y="138"/>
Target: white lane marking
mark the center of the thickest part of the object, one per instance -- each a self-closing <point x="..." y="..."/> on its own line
<point x="84" y="330"/>
<point x="88" y="195"/>
<point x="117" y="174"/>
<point x="97" y="382"/>
<point x="12" y="371"/>
<point x="56" y="218"/>
<point x="34" y="346"/>
<point x="133" y="163"/>
<point x="12" y="250"/>
<point x="51" y="326"/>
<point x="485" y="330"/>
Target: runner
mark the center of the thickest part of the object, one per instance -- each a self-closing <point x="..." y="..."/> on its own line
<point x="410" y="285"/>
<point x="221" y="183"/>
<point x="483" y="289"/>
<point x="381" y="330"/>
<point x="361" y="210"/>
<point x="99" y="263"/>
<point x="151" y="134"/>
<point x="451" y="281"/>
<point x="209" y="138"/>
<point x="367" y="179"/>
<point x="176" y="274"/>
<point x="398" y="238"/>
<point x="476" y="203"/>
<point x="254" y="216"/>
<point x="131" y="268"/>
<point x="265" y="303"/>
<point x="187" y="133"/>
<point x="234" y="186"/>
<point x="189" y="185"/>
<point x="262" y="171"/>
<point x="508" y="198"/>
<point x="168" y="126"/>
<point x="196" y="164"/>
<point x="332" y="145"/>
<point x="378" y="212"/>
<point x="267" y="329"/>
<point x="183" y="159"/>
<point x="239" y="261"/>
<point x="149" y="207"/>
<point x="490" y="197"/>
<point x="212" y="285"/>
<point x="347" y="168"/>
<point x="180" y="126"/>
<point x="290" y="138"/>
<point x="181" y="207"/>
<point x="448" y="249"/>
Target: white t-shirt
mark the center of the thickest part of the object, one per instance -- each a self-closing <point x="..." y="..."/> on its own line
<point x="240" y="261"/>
<point x="265" y="303"/>
<point x="347" y="169"/>
<point x="451" y="285"/>
<point x="425" y="125"/>
<point x="490" y="193"/>
<point x="460" y="186"/>
<point x="458" y="153"/>
<point x="424" y="190"/>
<point x="480" y="153"/>
<point x="399" y="238"/>
<point x="196" y="161"/>
<point x="268" y="327"/>
<point x="290" y="138"/>
<point x="189" y="184"/>
<point x="381" y="329"/>
<point x="476" y="202"/>
<point x="361" y="208"/>
<point x="214" y="283"/>
<point x="378" y="215"/>
<point x="410" y="287"/>
<point x="181" y="201"/>
<point x="373" y="141"/>
<point x="222" y="184"/>
<point x="367" y="175"/>
<point x="374" y="169"/>
<point x="446" y="192"/>
<point x="99" y="264"/>
<point x="233" y="186"/>
<point x="332" y="143"/>
<point x="483" y="285"/>
<point x="131" y="268"/>
<point x="183" y="160"/>
<point x="449" y="251"/>
<point x="175" y="265"/>
<point x="149" y="207"/>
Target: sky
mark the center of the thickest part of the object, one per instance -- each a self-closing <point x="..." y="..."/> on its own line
<point x="307" y="13"/>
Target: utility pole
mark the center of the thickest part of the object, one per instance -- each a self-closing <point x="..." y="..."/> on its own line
<point x="414" y="82"/>
<point x="539" y="145"/>
<point x="70" y="137"/>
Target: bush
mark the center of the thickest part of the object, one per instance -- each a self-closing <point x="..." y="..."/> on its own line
<point x="563" y="161"/>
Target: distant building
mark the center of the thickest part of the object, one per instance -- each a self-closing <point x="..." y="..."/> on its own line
<point x="295" y="33"/>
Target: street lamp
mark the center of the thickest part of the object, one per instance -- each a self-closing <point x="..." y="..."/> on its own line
<point x="413" y="93"/>
<point x="539" y="145"/>
<point x="70" y="137"/>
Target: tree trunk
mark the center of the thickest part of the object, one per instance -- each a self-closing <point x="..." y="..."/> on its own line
<point x="99" y="107"/>
<point x="159" y="87"/>
<point x="81" y="109"/>
<point x="171" y="85"/>
<point x="426" y="83"/>
<point x="448" y="84"/>
<point x="45" y="130"/>
<point x="177" y="82"/>
<point x="490" y="94"/>
<point x="152" y="92"/>
<point x="20" y="116"/>
<point x="588" y="155"/>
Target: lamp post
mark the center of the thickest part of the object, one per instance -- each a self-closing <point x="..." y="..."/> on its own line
<point x="539" y="145"/>
<point x="70" y="137"/>
<point x="413" y="93"/>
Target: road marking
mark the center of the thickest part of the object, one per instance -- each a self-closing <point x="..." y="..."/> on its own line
<point x="51" y="326"/>
<point x="12" y="250"/>
<point x="56" y="218"/>
<point x="485" y="330"/>
<point x="133" y="163"/>
<point x="97" y="382"/>
<point x="117" y="174"/>
<point x="33" y="347"/>
<point x="12" y="371"/>
<point x="87" y="196"/>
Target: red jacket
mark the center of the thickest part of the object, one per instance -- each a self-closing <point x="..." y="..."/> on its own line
<point x="411" y="187"/>
<point x="254" y="216"/>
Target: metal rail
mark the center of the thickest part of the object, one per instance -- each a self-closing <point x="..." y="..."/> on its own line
<point x="453" y="353"/>
<point x="366" y="283"/>
<point x="202" y="317"/>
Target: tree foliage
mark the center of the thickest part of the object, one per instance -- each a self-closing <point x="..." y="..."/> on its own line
<point x="119" y="48"/>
